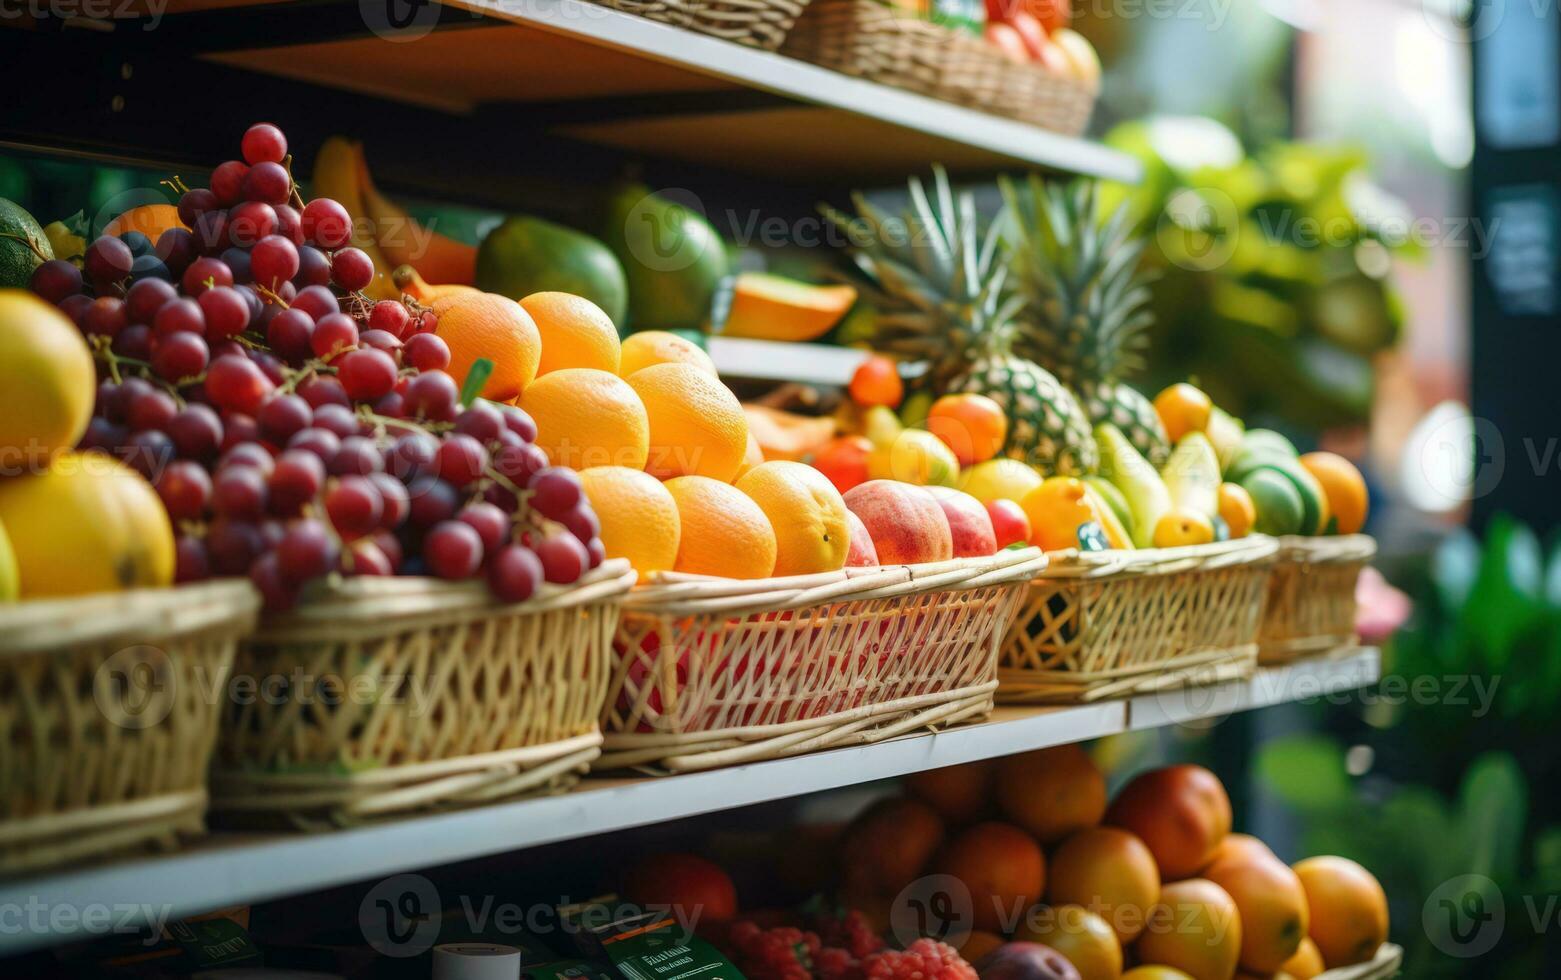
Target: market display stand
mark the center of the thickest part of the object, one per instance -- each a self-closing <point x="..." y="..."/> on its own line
<point x="229" y="869"/>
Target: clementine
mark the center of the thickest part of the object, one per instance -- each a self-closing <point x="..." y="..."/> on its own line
<point x="1001" y="866"/>
<point x="487" y="325"/>
<point x="1051" y="792"/>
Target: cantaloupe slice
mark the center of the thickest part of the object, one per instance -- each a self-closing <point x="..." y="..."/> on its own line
<point x="769" y="307"/>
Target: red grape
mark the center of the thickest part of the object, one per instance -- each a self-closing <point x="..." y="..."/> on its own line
<point x="226" y="312"/>
<point x="135" y="341"/>
<point x="190" y="563"/>
<point x="289" y="225"/>
<point x="227" y="182"/>
<point x="108" y="260"/>
<point x="264" y="143"/>
<point x="352" y="269"/>
<point x="105" y="317"/>
<point x="151" y="408"/>
<point x="393" y="494"/>
<point x="176" y="247"/>
<point x="180" y="316"/>
<point x="314" y="267"/>
<point x="390" y="546"/>
<point x="356" y="457"/>
<point x="582" y="522"/>
<point x="56" y="279"/>
<point x="411" y="455"/>
<point x="249" y="453"/>
<point x="555" y="491"/>
<point x="196" y="432"/>
<point x="273" y="261"/>
<point x="364" y="557"/>
<point x="355" y="506"/>
<point x="185" y="490"/>
<point x="461" y="460"/>
<point x="432" y="501"/>
<point x="239" y="492"/>
<point x="337" y="419"/>
<point x="596" y="551"/>
<point x="251" y="221"/>
<point x="481" y="421"/>
<point x="391" y="316"/>
<point x="317" y="301"/>
<point x="514" y="572"/>
<point x="381" y="340"/>
<point x="146" y="297"/>
<point x="266" y="576"/>
<point x="282" y="417"/>
<point x="147" y="452"/>
<point x="307" y="550"/>
<point x="491" y="524"/>
<point x="103" y="436"/>
<point x="76" y="307"/>
<point x="290" y="333"/>
<point x="367" y="374"/>
<point x="334" y="334"/>
<point x="563" y="558"/>
<point x="324" y="390"/>
<point x="194" y="203"/>
<point x="269" y="364"/>
<point x="237" y="384"/>
<point x="453" y="550"/>
<point x="427" y="322"/>
<point x="426" y="352"/>
<point x="326" y="223"/>
<point x="432" y="395"/>
<point x="296" y="479"/>
<point x="204" y="273"/>
<point x="180" y="355"/>
<point x="233" y="545"/>
<point x="322" y="443"/>
<point x="518" y="463"/>
<point x="268" y="181"/>
<point x="391" y="406"/>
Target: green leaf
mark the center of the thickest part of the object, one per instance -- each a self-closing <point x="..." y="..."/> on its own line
<point x="475" y="379"/>
<point x="1492" y="802"/>
<point x="1305" y="771"/>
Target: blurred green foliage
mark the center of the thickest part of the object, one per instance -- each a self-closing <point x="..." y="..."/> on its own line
<point x="1275" y="285"/>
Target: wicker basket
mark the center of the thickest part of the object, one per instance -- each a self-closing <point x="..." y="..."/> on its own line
<point x="108" y="712"/>
<point x="712" y="672"/>
<point x="1311" y="597"/>
<point x="757" y="23"/>
<point x="1388" y="962"/>
<point x="385" y="695"/>
<point x="1109" y="624"/>
<point x="871" y="40"/>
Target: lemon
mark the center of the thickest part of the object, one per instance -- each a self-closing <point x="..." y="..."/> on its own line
<point x="1000" y="479"/>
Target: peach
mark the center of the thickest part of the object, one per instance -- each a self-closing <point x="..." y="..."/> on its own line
<point x="969" y="523"/>
<point x="905" y="522"/>
<point x="861" y="553"/>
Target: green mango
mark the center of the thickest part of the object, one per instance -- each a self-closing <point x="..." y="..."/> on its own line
<point x="673" y="259"/>
<point x="1279" y="507"/>
<point x="526" y="255"/>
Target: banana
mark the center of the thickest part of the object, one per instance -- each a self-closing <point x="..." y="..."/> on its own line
<point x="336" y="176"/>
<point x="438" y="258"/>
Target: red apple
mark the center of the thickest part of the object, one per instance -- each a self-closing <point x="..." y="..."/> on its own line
<point x="905" y="522"/>
<point x="861" y="554"/>
<point x="1010" y="524"/>
<point x="969" y="525"/>
<point x="1007" y="40"/>
<point x="1030" y="32"/>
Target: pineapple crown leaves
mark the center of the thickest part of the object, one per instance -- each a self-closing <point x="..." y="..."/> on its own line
<point x="934" y="276"/>
<point x="1085" y="293"/>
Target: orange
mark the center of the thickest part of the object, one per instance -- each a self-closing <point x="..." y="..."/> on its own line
<point x="887" y="846"/>
<point x="690" y="885"/>
<point x="1001" y="866"/>
<point x="960" y="793"/>
<point x="724" y="531"/>
<point x="575" y="332"/>
<point x="697" y="425"/>
<point x="1349" y="911"/>
<point x="1078" y="934"/>
<point x="1183" y="409"/>
<point x="639" y="517"/>
<point x="1343" y="486"/>
<point x="588" y="418"/>
<point x="753" y="455"/>
<point x="1051" y="792"/>
<point x="649" y="347"/>
<point x="1306" y="963"/>
<point x="844" y="461"/>
<point x="1111" y="873"/>
<point x="1181" y="812"/>
<point x="807" y="513"/>
<point x="1237" y="509"/>
<point x="1272" y="904"/>
<point x="978" y="945"/>
<point x="150" y="220"/>
<point x="1196" y="929"/>
<point x="876" y="381"/>
<point x="974" y="426"/>
<point x="478" y="325"/>
<point x="1238" y="847"/>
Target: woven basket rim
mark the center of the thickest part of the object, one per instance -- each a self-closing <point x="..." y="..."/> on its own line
<point x="1332" y="548"/>
<point x="35" y="626"/>
<point x="671" y="593"/>
<point x="1073" y="563"/>
<point x="389" y="602"/>
<point x="1387" y="962"/>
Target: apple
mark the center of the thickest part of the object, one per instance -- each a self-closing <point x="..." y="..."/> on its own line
<point x="1030" y="32"/>
<point x="1010" y="524"/>
<point x="905" y="522"/>
<point x="861" y="554"/>
<point x="1007" y="40"/>
<point x="969" y="524"/>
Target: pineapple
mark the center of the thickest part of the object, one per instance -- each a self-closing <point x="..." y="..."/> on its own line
<point x="1085" y="303"/>
<point x="939" y="285"/>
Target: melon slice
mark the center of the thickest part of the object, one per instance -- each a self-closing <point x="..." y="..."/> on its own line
<point x="769" y="307"/>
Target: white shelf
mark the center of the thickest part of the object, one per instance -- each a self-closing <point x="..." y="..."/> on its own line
<point x="230" y="869"/>
<point x="770" y="360"/>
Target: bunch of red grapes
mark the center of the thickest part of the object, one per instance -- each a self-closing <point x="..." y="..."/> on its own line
<point x="292" y="427"/>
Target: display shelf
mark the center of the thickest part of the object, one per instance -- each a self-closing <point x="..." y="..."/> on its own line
<point x="229" y="869"/>
<point x="770" y="360"/>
